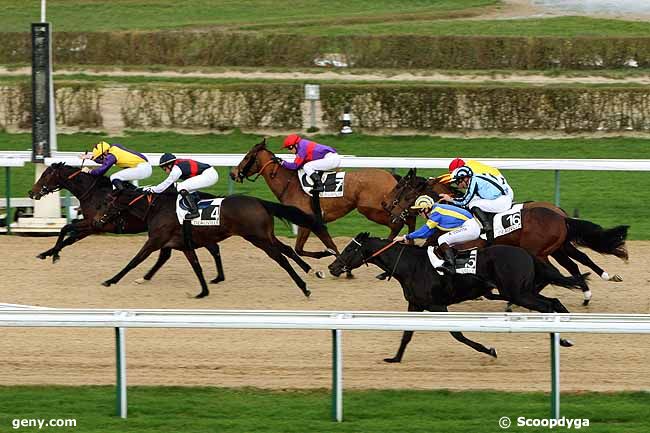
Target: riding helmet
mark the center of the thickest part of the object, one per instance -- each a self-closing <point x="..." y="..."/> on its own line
<point x="100" y="148"/>
<point x="423" y="202"/>
<point x="461" y="172"/>
<point x="167" y="158"/>
<point x="453" y="165"/>
<point x="291" y="140"/>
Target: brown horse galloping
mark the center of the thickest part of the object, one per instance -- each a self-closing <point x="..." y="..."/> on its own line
<point x="91" y="191"/>
<point x="364" y="191"/>
<point x="546" y="229"/>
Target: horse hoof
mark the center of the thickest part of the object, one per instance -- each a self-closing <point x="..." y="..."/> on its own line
<point x="392" y="360"/>
<point x="140" y="281"/>
<point x="217" y="280"/>
<point x="307" y="293"/>
<point x="382" y="276"/>
<point x="202" y="295"/>
<point x="41" y="256"/>
<point x="493" y="352"/>
<point x="616" y="278"/>
<point x="320" y="275"/>
<point x="566" y="343"/>
<point x="106" y="283"/>
<point x="55" y="258"/>
<point x="349" y="276"/>
<point x="585" y="302"/>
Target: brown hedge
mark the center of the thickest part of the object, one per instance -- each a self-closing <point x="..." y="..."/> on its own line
<point x="267" y="50"/>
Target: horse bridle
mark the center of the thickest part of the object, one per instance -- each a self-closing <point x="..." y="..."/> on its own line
<point x="106" y="219"/>
<point x="253" y="159"/>
<point x="373" y="255"/>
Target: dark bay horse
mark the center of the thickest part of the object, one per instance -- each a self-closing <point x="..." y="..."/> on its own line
<point x="248" y="217"/>
<point x="91" y="191"/>
<point x="547" y="230"/>
<point x="516" y="274"/>
<point x="364" y="190"/>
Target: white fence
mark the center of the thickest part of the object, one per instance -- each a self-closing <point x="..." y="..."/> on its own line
<point x="336" y="321"/>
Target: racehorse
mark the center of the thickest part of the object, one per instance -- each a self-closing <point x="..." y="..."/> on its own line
<point x="546" y="229"/>
<point x="364" y="190"/>
<point x="91" y="191"/>
<point x="245" y="216"/>
<point x="516" y="274"/>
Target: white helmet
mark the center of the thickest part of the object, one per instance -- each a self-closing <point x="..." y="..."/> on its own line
<point x="461" y="172"/>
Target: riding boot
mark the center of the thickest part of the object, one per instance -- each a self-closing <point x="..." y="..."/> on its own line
<point x="486" y="221"/>
<point x="191" y="204"/>
<point x="318" y="184"/>
<point x="118" y="184"/>
<point x="449" y="255"/>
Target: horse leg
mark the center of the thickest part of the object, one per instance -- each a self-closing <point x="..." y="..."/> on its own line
<point x="584" y="259"/>
<point x="563" y="259"/>
<point x="215" y="251"/>
<point x="473" y="344"/>
<point x="289" y="252"/>
<point x="303" y="235"/>
<point x="406" y="338"/>
<point x="76" y="231"/>
<point x="165" y="254"/>
<point x="198" y="271"/>
<point x="274" y="252"/>
<point x="146" y="250"/>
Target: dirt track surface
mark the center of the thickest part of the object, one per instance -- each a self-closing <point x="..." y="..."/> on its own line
<point x="291" y="359"/>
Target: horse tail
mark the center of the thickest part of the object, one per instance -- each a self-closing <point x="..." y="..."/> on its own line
<point x="293" y="215"/>
<point x="546" y="273"/>
<point x="605" y="241"/>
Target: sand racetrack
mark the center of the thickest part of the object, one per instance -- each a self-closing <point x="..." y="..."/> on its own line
<point x="291" y="359"/>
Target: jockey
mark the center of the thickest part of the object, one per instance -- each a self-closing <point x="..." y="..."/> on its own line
<point x="477" y="167"/>
<point x="135" y="165"/>
<point x="311" y="157"/>
<point x="459" y="224"/>
<point x="485" y="193"/>
<point x="194" y="175"/>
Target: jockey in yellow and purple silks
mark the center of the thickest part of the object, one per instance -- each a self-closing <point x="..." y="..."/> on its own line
<point x="135" y="165"/>
<point x="459" y="224"/>
<point x="477" y="167"/>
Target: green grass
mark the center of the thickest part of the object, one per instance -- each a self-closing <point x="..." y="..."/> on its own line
<point x="188" y="410"/>
<point x="606" y="198"/>
<point x="93" y="15"/>
<point x="570" y="26"/>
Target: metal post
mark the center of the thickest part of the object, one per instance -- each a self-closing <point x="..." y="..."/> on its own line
<point x="120" y="352"/>
<point x="557" y="188"/>
<point x="312" y="117"/>
<point x="337" y="377"/>
<point x="8" y="200"/>
<point x="231" y="184"/>
<point x="555" y="375"/>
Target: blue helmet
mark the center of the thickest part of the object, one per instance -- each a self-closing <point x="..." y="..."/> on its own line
<point x="461" y="172"/>
<point x="167" y="158"/>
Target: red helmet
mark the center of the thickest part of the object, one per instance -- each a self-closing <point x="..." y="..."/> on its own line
<point x="291" y="140"/>
<point x="453" y="165"/>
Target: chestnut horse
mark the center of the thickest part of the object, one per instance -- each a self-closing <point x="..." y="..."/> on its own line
<point x="91" y="191"/>
<point x="364" y="191"/>
<point x="547" y="230"/>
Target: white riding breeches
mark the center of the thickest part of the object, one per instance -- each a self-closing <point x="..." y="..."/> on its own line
<point x="469" y="231"/>
<point x="499" y="204"/>
<point x="139" y="172"/>
<point x="208" y="178"/>
<point x="329" y="162"/>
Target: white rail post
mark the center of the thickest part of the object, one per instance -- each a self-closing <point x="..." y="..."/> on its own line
<point x="337" y="376"/>
<point x="555" y="375"/>
<point x="120" y="352"/>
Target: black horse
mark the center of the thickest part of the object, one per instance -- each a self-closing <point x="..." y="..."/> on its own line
<point x="516" y="275"/>
<point x="91" y="191"/>
<point x="245" y="216"/>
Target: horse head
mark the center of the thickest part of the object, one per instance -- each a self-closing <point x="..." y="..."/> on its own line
<point x="115" y="203"/>
<point x="51" y="180"/>
<point x="253" y="163"/>
<point x="400" y="199"/>
<point x="353" y="256"/>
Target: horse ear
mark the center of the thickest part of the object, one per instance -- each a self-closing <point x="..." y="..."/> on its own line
<point x="363" y="235"/>
<point x="263" y="142"/>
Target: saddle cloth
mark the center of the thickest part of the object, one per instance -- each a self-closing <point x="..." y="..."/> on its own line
<point x="508" y="221"/>
<point x="465" y="261"/>
<point x="332" y="180"/>
<point x="209" y="211"/>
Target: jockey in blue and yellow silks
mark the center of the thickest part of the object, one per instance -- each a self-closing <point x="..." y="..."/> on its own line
<point x="135" y="165"/>
<point x="459" y="224"/>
